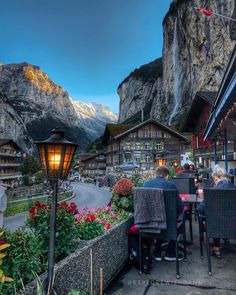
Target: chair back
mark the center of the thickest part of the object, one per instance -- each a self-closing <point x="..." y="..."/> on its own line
<point x="185" y="185"/>
<point x="220" y="211"/>
<point x="170" y="201"/>
<point x="170" y="233"/>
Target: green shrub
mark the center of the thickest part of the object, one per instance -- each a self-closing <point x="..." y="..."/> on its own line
<point x="90" y="229"/>
<point x="66" y="231"/>
<point x="23" y="258"/>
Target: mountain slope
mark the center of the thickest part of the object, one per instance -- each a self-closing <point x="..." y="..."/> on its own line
<point x="43" y="105"/>
<point x="196" y="50"/>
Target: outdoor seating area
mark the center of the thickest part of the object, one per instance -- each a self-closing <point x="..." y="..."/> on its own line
<point x="194" y="278"/>
<point x="198" y="271"/>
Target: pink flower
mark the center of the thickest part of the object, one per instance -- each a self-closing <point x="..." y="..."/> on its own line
<point x="108" y="208"/>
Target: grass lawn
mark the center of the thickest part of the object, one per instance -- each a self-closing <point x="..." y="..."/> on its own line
<point x="24" y="207"/>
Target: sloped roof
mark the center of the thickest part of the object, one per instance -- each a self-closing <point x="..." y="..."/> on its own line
<point x="93" y="156"/>
<point x="225" y="98"/>
<point x="200" y="100"/>
<point x="9" y="141"/>
<point x="162" y="126"/>
<point x="114" y="130"/>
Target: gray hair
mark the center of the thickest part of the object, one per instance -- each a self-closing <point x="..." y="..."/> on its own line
<point x="220" y="173"/>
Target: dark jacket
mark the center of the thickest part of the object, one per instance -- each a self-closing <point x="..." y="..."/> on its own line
<point x="160" y="182"/>
<point x="220" y="184"/>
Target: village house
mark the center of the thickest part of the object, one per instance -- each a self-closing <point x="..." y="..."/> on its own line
<point x="195" y="123"/>
<point x="92" y="165"/>
<point x="147" y="145"/>
<point x="9" y="162"/>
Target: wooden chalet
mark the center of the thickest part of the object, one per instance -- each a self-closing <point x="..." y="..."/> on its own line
<point x="147" y="144"/>
<point x="92" y="165"/>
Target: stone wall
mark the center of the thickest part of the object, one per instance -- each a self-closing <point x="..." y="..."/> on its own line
<point x="110" y="252"/>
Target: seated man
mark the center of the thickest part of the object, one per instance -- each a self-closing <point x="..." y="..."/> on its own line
<point x="161" y="181"/>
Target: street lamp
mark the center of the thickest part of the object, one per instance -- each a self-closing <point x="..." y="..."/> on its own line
<point x="56" y="155"/>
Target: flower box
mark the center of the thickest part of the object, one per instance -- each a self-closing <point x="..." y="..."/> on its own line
<point x="109" y="251"/>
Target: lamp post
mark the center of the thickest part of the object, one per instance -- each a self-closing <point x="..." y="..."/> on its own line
<point x="56" y="155"/>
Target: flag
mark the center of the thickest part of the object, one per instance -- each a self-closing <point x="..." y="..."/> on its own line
<point x="205" y="11"/>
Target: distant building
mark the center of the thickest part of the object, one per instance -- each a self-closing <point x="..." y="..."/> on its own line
<point x="195" y="123"/>
<point x="92" y="165"/>
<point x="10" y="154"/>
<point x="148" y="144"/>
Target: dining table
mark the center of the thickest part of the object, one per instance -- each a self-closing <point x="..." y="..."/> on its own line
<point x="190" y="199"/>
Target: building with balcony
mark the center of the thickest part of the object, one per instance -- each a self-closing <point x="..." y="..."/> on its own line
<point x="10" y="155"/>
<point x="148" y="144"/>
<point x="93" y="165"/>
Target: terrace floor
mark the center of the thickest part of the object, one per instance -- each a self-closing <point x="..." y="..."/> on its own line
<point x="194" y="279"/>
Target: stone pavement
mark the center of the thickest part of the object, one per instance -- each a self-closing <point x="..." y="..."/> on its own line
<point x="194" y="279"/>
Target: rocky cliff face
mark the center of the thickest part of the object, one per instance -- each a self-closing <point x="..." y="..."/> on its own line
<point x="196" y="51"/>
<point x="43" y="105"/>
<point x="142" y="86"/>
<point x="12" y="125"/>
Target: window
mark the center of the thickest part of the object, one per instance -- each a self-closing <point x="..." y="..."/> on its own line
<point x="147" y="146"/>
<point x="153" y="133"/>
<point x="159" y="134"/>
<point x="158" y="146"/>
<point x="137" y="145"/>
<point x="167" y="135"/>
<point x="147" y="158"/>
<point x="140" y="134"/>
<point x="146" y="133"/>
<point x="127" y="146"/>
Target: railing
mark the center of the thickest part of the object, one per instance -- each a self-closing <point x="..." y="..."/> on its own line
<point x="10" y="164"/>
<point x="10" y="175"/>
<point x="10" y="155"/>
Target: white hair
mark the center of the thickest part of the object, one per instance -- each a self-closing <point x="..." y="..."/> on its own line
<point x="220" y="173"/>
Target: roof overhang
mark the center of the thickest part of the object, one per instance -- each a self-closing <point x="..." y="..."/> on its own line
<point x="224" y="109"/>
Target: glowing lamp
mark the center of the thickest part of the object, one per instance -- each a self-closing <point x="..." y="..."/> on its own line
<point x="56" y="154"/>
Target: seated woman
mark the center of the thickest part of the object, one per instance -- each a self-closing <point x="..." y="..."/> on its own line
<point x="221" y="180"/>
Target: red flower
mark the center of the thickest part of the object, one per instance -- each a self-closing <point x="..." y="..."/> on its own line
<point x="123" y="187"/>
<point x="32" y="212"/>
<point x="108" y="226"/>
<point x="37" y="204"/>
<point x="90" y="218"/>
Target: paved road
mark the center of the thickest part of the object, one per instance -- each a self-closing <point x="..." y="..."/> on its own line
<point x="86" y="195"/>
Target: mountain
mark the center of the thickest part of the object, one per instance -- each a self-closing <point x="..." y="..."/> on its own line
<point x="93" y="117"/>
<point x="196" y="50"/>
<point x="43" y="105"/>
<point x="12" y="125"/>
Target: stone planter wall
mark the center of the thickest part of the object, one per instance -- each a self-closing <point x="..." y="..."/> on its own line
<point x="110" y="252"/>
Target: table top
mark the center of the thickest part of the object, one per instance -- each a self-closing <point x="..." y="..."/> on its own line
<point x="190" y="198"/>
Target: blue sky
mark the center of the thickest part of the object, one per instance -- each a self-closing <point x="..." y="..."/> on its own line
<point x="86" y="46"/>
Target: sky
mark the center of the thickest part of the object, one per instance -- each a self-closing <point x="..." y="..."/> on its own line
<point x="87" y="46"/>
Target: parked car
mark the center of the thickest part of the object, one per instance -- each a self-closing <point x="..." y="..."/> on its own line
<point x="129" y="166"/>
